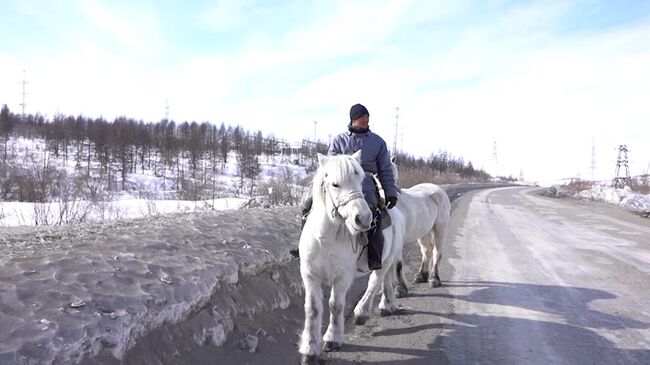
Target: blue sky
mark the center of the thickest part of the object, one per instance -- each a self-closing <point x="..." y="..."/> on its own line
<point x="544" y="79"/>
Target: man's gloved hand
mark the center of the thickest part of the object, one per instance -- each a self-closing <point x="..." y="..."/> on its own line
<point x="391" y="201"/>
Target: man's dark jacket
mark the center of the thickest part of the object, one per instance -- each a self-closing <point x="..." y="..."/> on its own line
<point x="374" y="158"/>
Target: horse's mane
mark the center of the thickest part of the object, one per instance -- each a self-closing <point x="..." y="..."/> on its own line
<point x="339" y="168"/>
<point x="344" y="167"/>
<point x="395" y="175"/>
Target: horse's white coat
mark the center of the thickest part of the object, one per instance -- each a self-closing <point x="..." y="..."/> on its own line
<point x="427" y="212"/>
<point x="327" y="250"/>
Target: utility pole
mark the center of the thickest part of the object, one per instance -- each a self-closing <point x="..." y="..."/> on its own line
<point x="396" y="123"/>
<point x="23" y="104"/>
<point x="494" y="157"/>
<point x="593" y="158"/>
<point x="315" y="125"/>
<point x="621" y="161"/>
<point x="167" y="110"/>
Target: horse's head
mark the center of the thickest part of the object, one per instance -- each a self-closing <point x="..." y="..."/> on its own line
<point x="393" y="165"/>
<point x="340" y="186"/>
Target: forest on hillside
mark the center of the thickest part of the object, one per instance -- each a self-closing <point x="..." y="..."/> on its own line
<point x="186" y="156"/>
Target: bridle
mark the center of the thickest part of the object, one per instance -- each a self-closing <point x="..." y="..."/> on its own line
<point x="336" y="215"/>
<point x="342" y="202"/>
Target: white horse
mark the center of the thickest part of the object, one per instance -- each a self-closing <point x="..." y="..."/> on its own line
<point x="329" y="253"/>
<point x="427" y="212"/>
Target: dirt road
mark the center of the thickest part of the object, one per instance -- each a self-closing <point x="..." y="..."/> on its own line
<point x="529" y="280"/>
<point x="526" y="280"/>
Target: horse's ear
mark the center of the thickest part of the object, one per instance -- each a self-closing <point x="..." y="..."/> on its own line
<point x="357" y="156"/>
<point x="322" y="159"/>
<point x="393" y="159"/>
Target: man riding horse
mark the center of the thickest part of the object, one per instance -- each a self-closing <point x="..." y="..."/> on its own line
<point x="375" y="160"/>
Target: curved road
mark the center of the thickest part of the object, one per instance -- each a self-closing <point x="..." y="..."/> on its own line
<point x="526" y="280"/>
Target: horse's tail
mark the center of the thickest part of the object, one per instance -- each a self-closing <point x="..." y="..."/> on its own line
<point x="441" y="199"/>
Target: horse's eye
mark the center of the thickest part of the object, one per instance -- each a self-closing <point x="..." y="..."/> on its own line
<point x="335" y="185"/>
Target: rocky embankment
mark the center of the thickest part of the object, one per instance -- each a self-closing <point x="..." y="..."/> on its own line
<point x="92" y="293"/>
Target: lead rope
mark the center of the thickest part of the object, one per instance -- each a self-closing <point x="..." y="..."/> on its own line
<point x="355" y="248"/>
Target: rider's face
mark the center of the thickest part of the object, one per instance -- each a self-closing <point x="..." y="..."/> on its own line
<point x="361" y="122"/>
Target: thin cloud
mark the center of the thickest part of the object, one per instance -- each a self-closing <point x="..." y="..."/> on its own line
<point x="464" y="74"/>
<point x="227" y="15"/>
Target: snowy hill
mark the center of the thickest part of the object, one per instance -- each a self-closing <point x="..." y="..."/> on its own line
<point x="70" y="191"/>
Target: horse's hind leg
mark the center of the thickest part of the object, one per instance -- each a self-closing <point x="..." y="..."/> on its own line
<point x="311" y="334"/>
<point x="333" y="339"/>
<point x="387" y="304"/>
<point x="401" y="289"/>
<point x="426" y="248"/>
<point x="437" y="241"/>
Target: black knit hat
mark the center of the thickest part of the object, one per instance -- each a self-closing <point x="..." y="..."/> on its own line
<point x="357" y="111"/>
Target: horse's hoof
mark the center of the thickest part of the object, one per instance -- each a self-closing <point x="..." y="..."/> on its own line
<point x="360" y="320"/>
<point x="330" y="346"/>
<point x="401" y="291"/>
<point x="434" y="283"/>
<point x="386" y="312"/>
<point x="309" y="360"/>
<point x="421" y="277"/>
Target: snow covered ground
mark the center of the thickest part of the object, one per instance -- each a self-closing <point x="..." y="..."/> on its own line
<point x="28" y="214"/>
<point x="624" y="197"/>
<point x="146" y="194"/>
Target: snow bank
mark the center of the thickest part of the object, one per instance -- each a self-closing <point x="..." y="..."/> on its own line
<point x="74" y="293"/>
<point x="625" y="197"/>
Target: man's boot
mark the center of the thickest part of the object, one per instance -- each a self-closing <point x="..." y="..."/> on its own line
<point x="306" y="208"/>
<point x="295" y="252"/>
<point x="376" y="243"/>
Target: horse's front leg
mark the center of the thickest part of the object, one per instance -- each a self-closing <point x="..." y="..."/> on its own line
<point x="311" y="334"/>
<point x="333" y="339"/>
<point x="364" y="307"/>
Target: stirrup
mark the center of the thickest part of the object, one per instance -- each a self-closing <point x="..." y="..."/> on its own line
<point x="295" y="253"/>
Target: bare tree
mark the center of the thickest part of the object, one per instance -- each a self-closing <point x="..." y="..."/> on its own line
<point x="6" y="126"/>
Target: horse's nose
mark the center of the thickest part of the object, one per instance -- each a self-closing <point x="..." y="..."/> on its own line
<point x="362" y="220"/>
